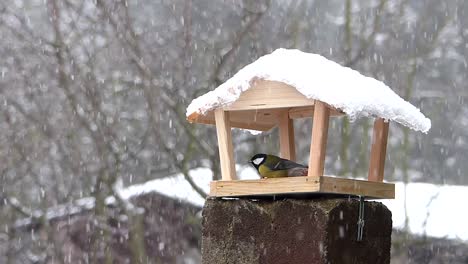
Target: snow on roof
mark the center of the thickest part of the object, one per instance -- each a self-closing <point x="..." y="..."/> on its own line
<point x="317" y="78"/>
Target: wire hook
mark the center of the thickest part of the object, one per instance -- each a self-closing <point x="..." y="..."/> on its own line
<point x="360" y="222"/>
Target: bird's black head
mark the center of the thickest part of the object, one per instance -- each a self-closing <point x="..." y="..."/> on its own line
<point x="258" y="159"/>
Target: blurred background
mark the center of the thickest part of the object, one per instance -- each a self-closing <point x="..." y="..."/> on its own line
<point x="92" y="104"/>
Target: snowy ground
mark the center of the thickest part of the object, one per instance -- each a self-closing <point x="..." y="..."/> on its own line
<point x="431" y="208"/>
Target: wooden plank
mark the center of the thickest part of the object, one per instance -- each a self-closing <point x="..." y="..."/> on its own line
<point x="265" y="186"/>
<point x="290" y="185"/>
<point x="286" y="135"/>
<point x="226" y="155"/>
<point x="318" y="145"/>
<point x="265" y="94"/>
<point x="357" y="187"/>
<point x="259" y="119"/>
<point x="236" y="121"/>
<point x="308" y="111"/>
<point x="378" y="150"/>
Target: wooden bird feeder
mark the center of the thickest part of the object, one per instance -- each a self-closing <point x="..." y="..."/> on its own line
<point x="265" y="104"/>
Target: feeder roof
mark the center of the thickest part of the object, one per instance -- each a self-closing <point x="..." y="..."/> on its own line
<point x="316" y="78"/>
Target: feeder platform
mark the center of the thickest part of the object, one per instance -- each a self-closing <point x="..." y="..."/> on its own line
<point x="302" y="185"/>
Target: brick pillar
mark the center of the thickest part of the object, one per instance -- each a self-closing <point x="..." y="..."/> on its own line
<point x="294" y="231"/>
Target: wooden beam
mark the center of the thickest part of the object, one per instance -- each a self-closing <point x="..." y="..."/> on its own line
<point x="378" y="150"/>
<point x="265" y="186"/>
<point x="258" y="119"/>
<point x="303" y="185"/>
<point x="286" y="135"/>
<point x="210" y="120"/>
<point x="308" y="111"/>
<point x="318" y="145"/>
<point x="226" y="155"/>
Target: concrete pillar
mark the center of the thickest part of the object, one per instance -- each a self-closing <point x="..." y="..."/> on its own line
<point x="295" y="231"/>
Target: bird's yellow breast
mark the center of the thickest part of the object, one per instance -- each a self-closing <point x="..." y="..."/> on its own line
<point x="265" y="172"/>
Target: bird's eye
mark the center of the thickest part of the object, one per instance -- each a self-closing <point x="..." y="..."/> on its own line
<point x="257" y="161"/>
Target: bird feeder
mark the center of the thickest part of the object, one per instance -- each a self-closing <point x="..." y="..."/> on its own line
<point x="287" y="85"/>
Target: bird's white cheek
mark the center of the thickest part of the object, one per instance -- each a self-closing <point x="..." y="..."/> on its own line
<point x="257" y="161"/>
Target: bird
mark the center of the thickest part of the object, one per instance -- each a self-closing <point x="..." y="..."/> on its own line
<point x="271" y="166"/>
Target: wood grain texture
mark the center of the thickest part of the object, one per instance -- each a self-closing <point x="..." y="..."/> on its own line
<point x="226" y="155"/>
<point x="258" y="107"/>
<point x="308" y="112"/>
<point x="265" y="94"/>
<point x="262" y="120"/>
<point x="286" y="135"/>
<point x="318" y="144"/>
<point x="265" y="186"/>
<point x="259" y="119"/>
<point x="289" y="185"/>
<point x="357" y="187"/>
<point x="378" y="151"/>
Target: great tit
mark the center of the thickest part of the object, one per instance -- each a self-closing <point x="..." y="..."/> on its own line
<point x="270" y="166"/>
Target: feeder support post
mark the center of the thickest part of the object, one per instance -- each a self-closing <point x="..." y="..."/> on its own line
<point x="286" y="133"/>
<point x="318" y="144"/>
<point x="226" y="154"/>
<point x="378" y="150"/>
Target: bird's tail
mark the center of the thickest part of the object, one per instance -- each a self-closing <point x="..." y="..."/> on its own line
<point x="298" y="172"/>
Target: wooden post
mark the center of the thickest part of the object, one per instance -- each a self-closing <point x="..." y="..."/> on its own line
<point x="226" y="155"/>
<point x="318" y="145"/>
<point x="378" y="150"/>
<point x="286" y="134"/>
